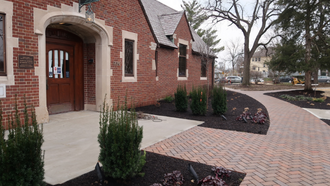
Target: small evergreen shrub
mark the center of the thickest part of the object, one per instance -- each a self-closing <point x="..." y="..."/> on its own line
<point x="181" y="100"/>
<point x="21" y="157"/>
<point x="168" y="99"/>
<point x="198" y="103"/>
<point x="120" y="138"/>
<point x="219" y="101"/>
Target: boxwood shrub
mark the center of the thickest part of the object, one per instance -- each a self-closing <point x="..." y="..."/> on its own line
<point x="219" y="101"/>
<point x="198" y="104"/>
<point x="21" y="157"/>
<point x="181" y="100"/>
<point x="120" y="138"/>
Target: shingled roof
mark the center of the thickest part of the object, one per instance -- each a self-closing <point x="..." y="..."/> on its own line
<point x="170" y="22"/>
<point x="164" y="21"/>
<point x="264" y="53"/>
<point x="153" y="9"/>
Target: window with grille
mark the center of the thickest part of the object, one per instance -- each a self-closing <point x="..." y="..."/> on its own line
<point x="129" y="49"/>
<point x="2" y="45"/>
<point x="203" y="67"/>
<point x="182" y="60"/>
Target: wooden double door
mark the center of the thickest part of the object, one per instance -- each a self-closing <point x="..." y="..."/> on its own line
<point x="64" y="74"/>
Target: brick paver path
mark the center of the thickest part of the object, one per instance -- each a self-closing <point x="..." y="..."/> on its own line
<point x="295" y="151"/>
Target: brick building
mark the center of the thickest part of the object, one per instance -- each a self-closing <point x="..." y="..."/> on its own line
<point x="61" y="63"/>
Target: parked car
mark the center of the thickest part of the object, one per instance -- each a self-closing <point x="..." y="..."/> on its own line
<point x="282" y="79"/>
<point x="257" y="81"/>
<point x="324" y="79"/>
<point x="233" y="79"/>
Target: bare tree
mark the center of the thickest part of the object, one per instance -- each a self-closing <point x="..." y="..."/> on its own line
<point x="235" y="51"/>
<point x="240" y="64"/>
<point x="264" y="14"/>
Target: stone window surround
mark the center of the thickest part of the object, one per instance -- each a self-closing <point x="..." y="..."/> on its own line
<point x="134" y="37"/>
<point x="153" y="47"/>
<point x="183" y="42"/>
<point x="11" y="43"/>
<point x="100" y="33"/>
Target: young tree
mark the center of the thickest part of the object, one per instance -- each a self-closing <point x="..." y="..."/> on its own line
<point x="305" y="42"/>
<point x="196" y="17"/>
<point x="195" y="14"/>
<point x="263" y="16"/>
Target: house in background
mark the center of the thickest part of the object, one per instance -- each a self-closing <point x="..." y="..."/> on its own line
<point x="61" y="62"/>
<point x="258" y="60"/>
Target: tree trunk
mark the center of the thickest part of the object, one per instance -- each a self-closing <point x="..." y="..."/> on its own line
<point x="316" y="76"/>
<point x="247" y="58"/>
<point x="308" y="39"/>
<point x="308" y="84"/>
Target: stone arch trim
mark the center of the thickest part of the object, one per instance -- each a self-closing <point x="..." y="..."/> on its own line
<point x="100" y="33"/>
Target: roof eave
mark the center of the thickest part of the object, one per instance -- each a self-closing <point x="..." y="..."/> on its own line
<point x="149" y="24"/>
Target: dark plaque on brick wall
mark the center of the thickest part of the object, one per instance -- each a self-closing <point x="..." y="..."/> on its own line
<point x="26" y="62"/>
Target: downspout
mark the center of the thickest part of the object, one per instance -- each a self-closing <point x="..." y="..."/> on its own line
<point x="213" y="73"/>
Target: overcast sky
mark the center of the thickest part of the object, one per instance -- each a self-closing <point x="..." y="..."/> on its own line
<point x="225" y="32"/>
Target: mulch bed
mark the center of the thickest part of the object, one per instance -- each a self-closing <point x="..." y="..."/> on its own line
<point x="156" y="166"/>
<point x="303" y="104"/>
<point x="236" y="103"/>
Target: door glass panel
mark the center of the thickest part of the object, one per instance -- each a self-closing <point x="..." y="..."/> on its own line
<point x="67" y="64"/>
<point x="61" y="63"/>
<point x="50" y="63"/>
<point x="2" y="44"/>
<point x="56" y="61"/>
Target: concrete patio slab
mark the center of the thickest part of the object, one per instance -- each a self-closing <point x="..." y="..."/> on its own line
<point x="71" y="147"/>
<point x="320" y="113"/>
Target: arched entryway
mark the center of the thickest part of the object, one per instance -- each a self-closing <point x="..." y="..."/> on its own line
<point x="97" y="33"/>
<point x="64" y="71"/>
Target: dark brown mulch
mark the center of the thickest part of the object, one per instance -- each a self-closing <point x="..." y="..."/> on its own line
<point x="236" y="103"/>
<point x="303" y="104"/>
<point x="327" y="121"/>
<point x="156" y="166"/>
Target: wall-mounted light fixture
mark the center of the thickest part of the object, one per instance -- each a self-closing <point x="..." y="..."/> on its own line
<point x="89" y="13"/>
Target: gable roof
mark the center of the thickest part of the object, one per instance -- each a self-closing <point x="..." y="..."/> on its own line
<point x="170" y="22"/>
<point x="164" y="20"/>
<point x="152" y="9"/>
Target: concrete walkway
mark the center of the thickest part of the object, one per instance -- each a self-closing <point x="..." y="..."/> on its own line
<point x="295" y="151"/>
<point x="71" y="142"/>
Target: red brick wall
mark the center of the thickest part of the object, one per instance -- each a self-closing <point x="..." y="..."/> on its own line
<point x="121" y="15"/>
<point x="89" y="74"/>
<point x="168" y="63"/>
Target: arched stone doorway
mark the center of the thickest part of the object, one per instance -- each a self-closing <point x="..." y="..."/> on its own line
<point x="96" y="32"/>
